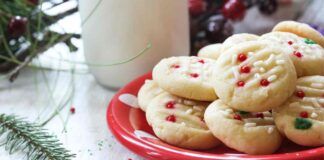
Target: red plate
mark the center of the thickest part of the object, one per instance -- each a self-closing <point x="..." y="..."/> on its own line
<point x="130" y="127"/>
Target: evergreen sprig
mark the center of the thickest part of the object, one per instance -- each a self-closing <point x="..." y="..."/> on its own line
<point x="20" y="135"/>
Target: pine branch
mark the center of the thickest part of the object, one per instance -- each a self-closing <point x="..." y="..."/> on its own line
<point x="31" y="138"/>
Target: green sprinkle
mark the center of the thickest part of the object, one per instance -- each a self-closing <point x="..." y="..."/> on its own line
<point x="302" y="123"/>
<point x="309" y="41"/>
<point x="243" y="113"/>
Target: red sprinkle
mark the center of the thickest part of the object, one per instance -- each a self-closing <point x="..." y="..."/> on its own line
<point x="201" y="61"/>
<point x="264" y="82"/>
<point x="175" y="66"/>
<point x="303" y="114"/>
<point x="240" y="83"/>
<point x="170" y="105"/>
<point x="297" y="54"/>
<point x="72" y="110"/>
<point x="237" y="117"/>
<point x="290" y="42"/>
<point x="260" y="115"/>
<point x="300" y="94"/>
<point x="241" y="57"/>
<point x="194" y="75"/>
<point x="171" y="118"/>
<point x="245" y="69"/>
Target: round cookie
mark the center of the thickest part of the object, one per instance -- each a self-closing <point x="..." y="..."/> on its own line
<point x="300" y="29"/>
<point x="179" y="122"/>
<point x="254" y="76"/>
<point x="238" y="38"/>
<point x="212" y="51"/>
<point x="188" y="77"/>
<point x="307" y="56"/>
<point x="147" y="92"/>
<point x="301" y="118"/>
<point x="251" y="133"/>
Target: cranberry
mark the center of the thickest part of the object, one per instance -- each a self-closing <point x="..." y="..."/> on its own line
<point x="259" y="115"/>
<point x="33" y="2"/>
<point x="17" y="26"/>
<point x="268" y="6"/>
<point x="241" y="57"/>
<point x="234" y="9"/>
<point x="297" y="54"/>
<point x="196" y="7"/>
<point x="218" y="28"/>
<point x="300" y="94"/>
<point x="194" y="75"/>
<point x="245" y="69"/>
<point x="72" y="110"/>
<point x="171" y="118"/>
<point x="303" y="114"/>
<point x="170" y="105"/>
<point x="240" y="83"/>
<point x="264" y="82"/>
<point x="290" y="42"/>
<point x="237" y="117"/>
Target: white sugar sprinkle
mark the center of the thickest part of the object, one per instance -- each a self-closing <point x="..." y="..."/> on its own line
<point x="272" y="78"/>
<point x="250" y="54"/>
<point x="183" y="123"/>
<point x="280" y="61"/>
<point x="317" y="85"/>
<point x="249" y="124"/>
<point x="262" y="69"/>
<point x="236" y="73"/>
<point x="271" y="58"/>
<point x="233" y="59"/>
<point x="197" y="108"/>
<point x="257" y="75"/>
<point x="189" y="111"/>
<point x="314" y="115"/>
<point x="294" y="104"/>
<point x="258" y="63"/>
<point x="270" y="130"/>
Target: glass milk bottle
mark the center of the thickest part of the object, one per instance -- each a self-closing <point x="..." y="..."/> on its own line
<point x="119" y="29"/>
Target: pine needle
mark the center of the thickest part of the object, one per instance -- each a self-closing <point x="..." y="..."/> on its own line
<point x="30" y="138"/>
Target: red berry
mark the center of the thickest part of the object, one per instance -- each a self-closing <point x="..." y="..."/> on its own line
<point x="241" y="57"/>
<point x="175" y="66"/>
<point x="33" y="2"/>
<point x="201" y="61"/>
<point x="264" y="82"/>
<point x="234" y="9"/>
<point x="240" y="83"/>
<point x="300" y="94"/>
<point x="171" y="118"/>
<point x="290" y="42"/>
<point x="72" y="110"/>
<point x="194" y="75"/>
<point x="17" y="26"/>
<point x="303" y="114"/>
<point x="297" y="54"/>
<point x="259" y="115"/>
<point x="196" y="7"/>
<point x="245" y="69"/>
<point x="170" y="105"/>
<point x="237" y="117"/>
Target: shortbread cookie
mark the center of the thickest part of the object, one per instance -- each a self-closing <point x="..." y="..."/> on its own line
<point x="307" y="56"/>
<point x="301" y="118"/>
<point x="254" y="76"/>
<point x="212" y="51"/>
<point x="179" y="122"/>
<point x="251" y="133"/>
<point x="188" y="77"/>
<point x="238" y="38"/>
<point x="148" y="91"/>
<point x="215" y="50"/>
<point x="300" y="29"/>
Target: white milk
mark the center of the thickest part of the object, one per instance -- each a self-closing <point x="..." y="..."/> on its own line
<point x="120" y="29"/>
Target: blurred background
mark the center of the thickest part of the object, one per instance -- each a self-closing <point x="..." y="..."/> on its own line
<point x="61" y="61"/>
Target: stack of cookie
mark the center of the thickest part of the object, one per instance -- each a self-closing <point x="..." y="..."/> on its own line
<point x="248" y="92"/>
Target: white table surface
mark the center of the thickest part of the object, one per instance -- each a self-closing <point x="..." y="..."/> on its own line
<point x="87" y="134"/>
